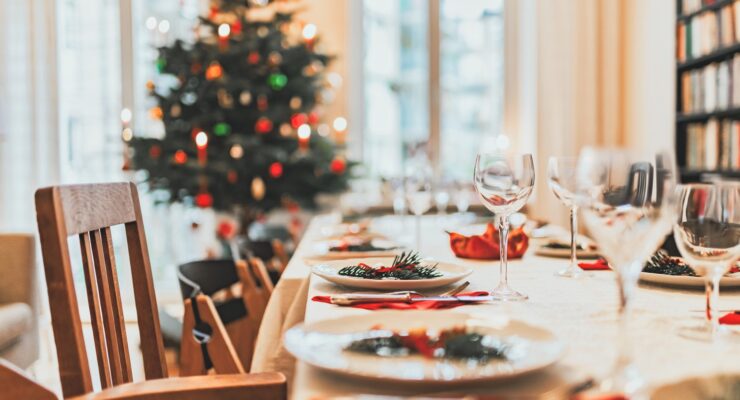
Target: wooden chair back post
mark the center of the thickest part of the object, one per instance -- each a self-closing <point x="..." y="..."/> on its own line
<point x="259" y="270"/>
<point x="278" y="248"/>
<point x="89" y="211"/>
<point x="221" y="351"/>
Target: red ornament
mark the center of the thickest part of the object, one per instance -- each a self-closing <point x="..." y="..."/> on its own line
<point x="276" y="170"/>
<point x="214" y="71"/>
<point x="338" y="166"/>
<point x="262" y="102"/>
<point x="253" y="57"/>
<point x="226" y="230"/>
<point x="203" y="200"/>
<point x="236" y="27"/>
<point x="313" y="117"/>
<point x="263" y="125"/>
<point x="232" y="176"/>
<point x="155" y="151"/>
<point x="180" y="157"/>
<point x="297" y="120"/>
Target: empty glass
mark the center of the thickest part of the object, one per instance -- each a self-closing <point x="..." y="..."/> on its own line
<point x="504" y="184"/>
<point x="561" y="177"/>
<point x="629" y="212"/>
<point x="707" y="233"/>
<point x="419" y="196"/>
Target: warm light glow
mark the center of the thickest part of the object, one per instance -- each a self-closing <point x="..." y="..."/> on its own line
<point x="126" y="115"/>
<point x="340" y="124"/>
<point x="236" y="151"/>
<point x="127" y="134"/>
<point x="224" y="30"/>
<point x="304" y="132"/>
<point x="151" y="23"/>
<point x="309" y="31"/>
<point x="201" y="139"/>
<point x="323" y="130"/>
<point x="164" y="26"/>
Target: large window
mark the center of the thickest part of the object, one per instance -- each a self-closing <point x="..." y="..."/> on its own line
<point x="433" y="79"/>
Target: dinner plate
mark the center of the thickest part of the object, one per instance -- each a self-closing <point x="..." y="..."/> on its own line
<point x="700" y="388"/>
<point x="322" y="344"/>
<point x="329" y="270"/>
<point x="732" y="280"/>
<point x="322" y="250"/>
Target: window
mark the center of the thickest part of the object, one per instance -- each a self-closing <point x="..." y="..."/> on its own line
<point x="416" y="49"/>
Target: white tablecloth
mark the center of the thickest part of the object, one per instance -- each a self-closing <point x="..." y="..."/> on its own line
<point x="582" y="312"/>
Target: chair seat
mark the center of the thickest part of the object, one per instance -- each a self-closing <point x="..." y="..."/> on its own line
<point x="15" y="320"/>
<point x="267" y="385"/>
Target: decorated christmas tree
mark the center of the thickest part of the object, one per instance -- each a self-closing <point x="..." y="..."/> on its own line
<point x="242" y="119"/>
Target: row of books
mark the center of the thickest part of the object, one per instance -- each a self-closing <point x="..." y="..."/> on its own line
<point x="690" y="6"/>
<point x="714" y="87"/>
<point x="713" y="145"/>
<point x="708" y="32"/>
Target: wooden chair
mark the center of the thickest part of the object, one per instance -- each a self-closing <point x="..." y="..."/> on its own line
<point x="88" y="211"/>
<point x="224" y="304"/>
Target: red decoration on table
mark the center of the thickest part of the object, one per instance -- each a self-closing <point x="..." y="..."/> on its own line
<point x="486" y="246"/>
<point x="203" y="200"/>
<point x="276" y="170"/>
<point x="734" y="269"/>
<point x="263" y="125"/>
<point x="732" y="318"/>
<point x="421" y="305"/>
<point x="338" y="166"/>
<point x="598" y="265"/>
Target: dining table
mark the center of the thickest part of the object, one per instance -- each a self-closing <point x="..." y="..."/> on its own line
<point x="582" y="313"/>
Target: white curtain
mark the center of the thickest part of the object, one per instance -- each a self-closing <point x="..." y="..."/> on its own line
<point x="29" y="155"/>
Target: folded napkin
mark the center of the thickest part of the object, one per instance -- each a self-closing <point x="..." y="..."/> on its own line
<point x="597" y="265"/>
<point x="732" y="318"/>
<point x="419" y="305"/>
<point x="486" y="246"/>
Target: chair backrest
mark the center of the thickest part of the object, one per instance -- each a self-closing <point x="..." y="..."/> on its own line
<point x="206" y="276"/>
<point x="88" y="211"/>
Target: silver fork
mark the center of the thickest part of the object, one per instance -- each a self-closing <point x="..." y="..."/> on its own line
<point x="450" y="292"/>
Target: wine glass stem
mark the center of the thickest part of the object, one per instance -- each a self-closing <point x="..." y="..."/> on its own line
<point x="503" y="235"/>
<point x="712" y="294"/>
<point x="573" y="223"/>
<point x="626" y="288"/>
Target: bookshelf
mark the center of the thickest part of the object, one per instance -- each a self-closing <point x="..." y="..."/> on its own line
<point x="708" y="97"/>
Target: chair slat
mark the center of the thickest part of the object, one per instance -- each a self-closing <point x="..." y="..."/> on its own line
<point x="118" y="322"/>
<point x="93" y="301"/>
<point x="155" y="365"/>
<point x="260" y="271"/>
<point x="113" y="340"/>
<point x="90" y="207"/>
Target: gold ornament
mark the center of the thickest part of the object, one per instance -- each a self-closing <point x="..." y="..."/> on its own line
<point x="274" y="59"/>
<point x="175" y="110"/>
<point x="258" y="188"/>
<point x="295" y="103"/>
<point x="225" y="100"/>
<point x="262" y="31"/>
<point x="245" y="98"/>
<point x="285" y="129"/>
<point x="236" y="151"/>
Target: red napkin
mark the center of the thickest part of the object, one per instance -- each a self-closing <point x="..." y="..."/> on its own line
<point x="486" y="246"/>
<point x="420" y="305"/>
<point x="732" y="318"/>
<point x="597" y="265"/>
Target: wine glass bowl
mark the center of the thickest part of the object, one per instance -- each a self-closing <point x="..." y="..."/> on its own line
<point x="628" y="208"/>
<point x="561" y="178"/>
<point x="504" y="185"/>
<point x="707" y="234"/>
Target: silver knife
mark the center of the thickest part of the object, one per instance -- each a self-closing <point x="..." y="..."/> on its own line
<point x="350" y="299"/>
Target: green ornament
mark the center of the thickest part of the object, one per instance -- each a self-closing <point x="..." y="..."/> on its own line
<point x="222" y="129"/>
<point x="277" y="81"/>
<point x="161" y="63"/>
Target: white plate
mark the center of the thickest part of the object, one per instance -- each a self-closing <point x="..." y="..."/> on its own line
<point x="451" y="273"/>
<point x="700" y="388"/>
<point x="322" y="344"/>
<point x="688" y="281"/>
<point x="322" y="252"/>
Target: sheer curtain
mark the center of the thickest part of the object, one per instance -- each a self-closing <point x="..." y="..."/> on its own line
<point x="29" y="140"/>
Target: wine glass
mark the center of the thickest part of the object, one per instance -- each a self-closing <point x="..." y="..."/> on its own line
<point x="504" y="185"/>
<point x="628" y="210"/>
<point x="561" y="177"/>
<point x="707" y="233"/>
<point x="419" y="196"/>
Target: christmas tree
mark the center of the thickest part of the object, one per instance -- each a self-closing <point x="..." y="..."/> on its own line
<point x="241" y="120"/>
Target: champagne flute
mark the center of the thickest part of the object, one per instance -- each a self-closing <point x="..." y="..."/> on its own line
<point x="707" y="233"/>
<point x="561" y="178"/>
<point x="504" y="185"/>
<point x="628" y="210"/>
